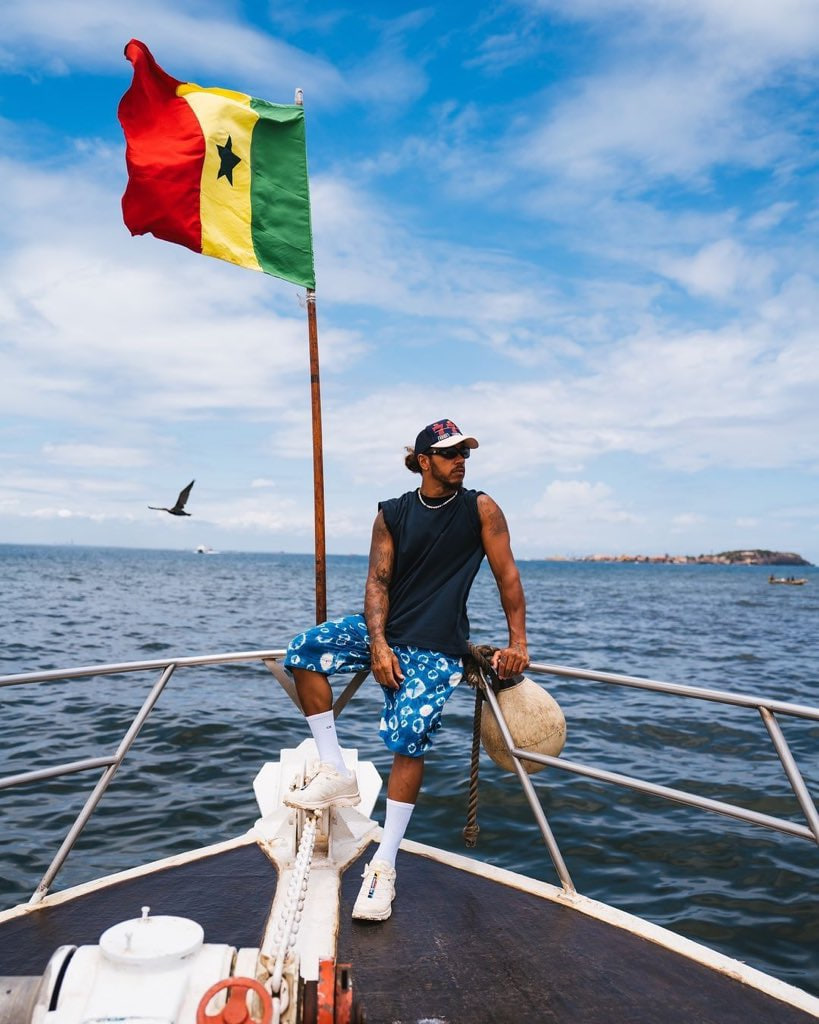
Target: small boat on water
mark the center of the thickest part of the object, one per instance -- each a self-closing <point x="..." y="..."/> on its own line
<point x="203" y="549"/>
<point x="793" y="581"/>
<point x="265" y="915"/>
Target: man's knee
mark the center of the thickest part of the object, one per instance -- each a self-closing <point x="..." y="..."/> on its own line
<point x="314" y="690"/>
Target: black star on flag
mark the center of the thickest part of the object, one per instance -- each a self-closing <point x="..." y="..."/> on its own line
<point x="228" y="160"/>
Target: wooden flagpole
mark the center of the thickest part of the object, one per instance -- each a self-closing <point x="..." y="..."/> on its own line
<point x="318" y="449"/>
<point x="318" y="461"/>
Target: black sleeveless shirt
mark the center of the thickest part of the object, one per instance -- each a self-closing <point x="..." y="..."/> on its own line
<point x="438" y="552"/>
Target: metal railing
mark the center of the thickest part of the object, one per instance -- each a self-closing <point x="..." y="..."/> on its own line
<point x="111" y="763"/>
<point x="767" y="709"/>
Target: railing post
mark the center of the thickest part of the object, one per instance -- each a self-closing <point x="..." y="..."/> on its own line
<point x="792" y="771"/>
<point x="531" y="796"/>
<point x="101" y="786"/>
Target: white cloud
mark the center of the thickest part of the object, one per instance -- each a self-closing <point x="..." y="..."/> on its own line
<point x="88" y="312"/>
<point x="787" y="27"/>
<point x="674" y="96"/>
<point x="657" y="104"/>
<point x="173" y="335"/>
<point x="720" y="269"/>
<point x="771" y="217"/>
<point x="68" y="513"/>
<point x="808" y="511"/>
<point x="581" y="502"/>
<point x="207" y="42"/>
<point x="192" y="38"/>
<point x="685" y="520"/>
<point x="737" y="396"/>
<point x="632" y="127"/>
<point x="265" y="514"/>
<point x="94" y="456"/>
<point x="372" y="258"/>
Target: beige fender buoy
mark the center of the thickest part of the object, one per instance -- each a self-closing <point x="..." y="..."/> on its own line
<point x="535" y="721"/>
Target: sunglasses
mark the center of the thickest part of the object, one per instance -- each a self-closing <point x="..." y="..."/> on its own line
<point x="450" y="453"/>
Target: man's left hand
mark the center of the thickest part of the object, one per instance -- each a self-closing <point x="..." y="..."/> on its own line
<point x="510" y="661"/>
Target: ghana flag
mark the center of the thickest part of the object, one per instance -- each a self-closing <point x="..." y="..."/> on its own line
<point x="217" y="171"/>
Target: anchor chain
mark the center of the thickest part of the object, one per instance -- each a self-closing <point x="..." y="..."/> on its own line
<point x="286" y="926"/>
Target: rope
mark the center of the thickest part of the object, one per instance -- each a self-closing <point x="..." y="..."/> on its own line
<point x="286" y="926"/>
<point x="477" y="671"/>
<point x="472" y="828"/>
<point x="478" y="667"/>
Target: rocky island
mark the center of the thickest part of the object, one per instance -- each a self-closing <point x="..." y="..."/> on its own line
<point x="755" y="556"/>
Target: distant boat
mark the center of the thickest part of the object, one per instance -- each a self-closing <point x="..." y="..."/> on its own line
<point x="203" y="549"/>
<point x="793" y="581"/>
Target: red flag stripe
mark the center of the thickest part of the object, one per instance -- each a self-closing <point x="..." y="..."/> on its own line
<point x="164" y="153"/>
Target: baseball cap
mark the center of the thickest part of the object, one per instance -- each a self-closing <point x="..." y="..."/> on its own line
<point x="441" y="434"/>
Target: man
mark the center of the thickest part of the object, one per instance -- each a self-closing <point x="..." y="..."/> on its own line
<point x="427" y="547"/>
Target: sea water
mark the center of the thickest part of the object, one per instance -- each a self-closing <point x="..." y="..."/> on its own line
<point x="748" y="892"/>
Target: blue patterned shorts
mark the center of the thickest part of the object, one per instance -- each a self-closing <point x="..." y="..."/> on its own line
<point x="412" y="713"/>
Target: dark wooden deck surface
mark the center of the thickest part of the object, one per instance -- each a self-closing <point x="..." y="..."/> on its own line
<point x="459" y="950"/>
<point x="228" y="893"/>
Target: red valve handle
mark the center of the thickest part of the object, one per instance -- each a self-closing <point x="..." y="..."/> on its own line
<point x="235" y="1010"/>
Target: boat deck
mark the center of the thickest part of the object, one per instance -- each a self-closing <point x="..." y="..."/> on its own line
<point x="463" y="949"/>
<point x="228" y="893"/>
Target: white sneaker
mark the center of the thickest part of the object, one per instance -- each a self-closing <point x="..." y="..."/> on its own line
<point x="328" y="787"/>
<point x="377" y="892"/>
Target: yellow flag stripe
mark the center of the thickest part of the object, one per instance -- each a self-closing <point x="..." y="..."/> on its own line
<point x="227" y="120"/>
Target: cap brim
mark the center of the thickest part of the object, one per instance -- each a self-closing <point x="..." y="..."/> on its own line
<point x="449" y="442"/>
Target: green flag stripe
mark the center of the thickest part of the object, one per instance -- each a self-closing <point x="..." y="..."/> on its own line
<point x="279" y="193"/>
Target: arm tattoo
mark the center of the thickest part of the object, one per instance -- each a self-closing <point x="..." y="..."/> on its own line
<point x="493" y="519"/>
<point x="376" y="592"/>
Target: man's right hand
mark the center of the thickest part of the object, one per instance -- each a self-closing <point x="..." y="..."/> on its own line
<point x="385" y="665"/>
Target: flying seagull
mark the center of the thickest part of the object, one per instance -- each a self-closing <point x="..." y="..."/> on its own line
<point x="179" y="507"/>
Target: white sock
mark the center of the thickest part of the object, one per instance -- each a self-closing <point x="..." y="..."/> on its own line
<point x="395" y="825"/>
<point x="323" y="728"/>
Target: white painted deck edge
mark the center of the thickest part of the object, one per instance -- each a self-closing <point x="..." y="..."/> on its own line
<point x="75" y="891"/>
<point x="704" y="955"/>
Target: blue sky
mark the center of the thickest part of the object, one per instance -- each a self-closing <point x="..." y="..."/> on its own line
<point x="585" y="230"/>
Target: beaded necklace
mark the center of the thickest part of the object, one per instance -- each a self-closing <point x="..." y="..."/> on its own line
<point x="434" y="507"/>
